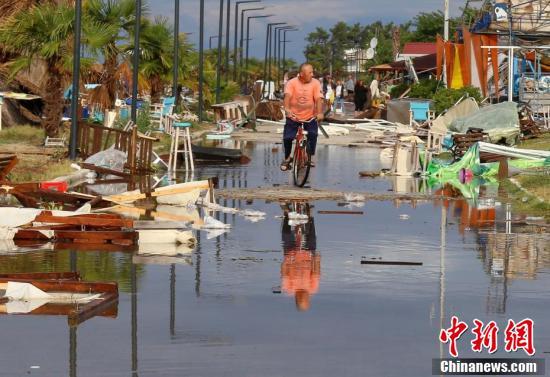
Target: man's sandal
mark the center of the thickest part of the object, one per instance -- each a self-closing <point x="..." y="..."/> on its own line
<point x="286" y="165"/>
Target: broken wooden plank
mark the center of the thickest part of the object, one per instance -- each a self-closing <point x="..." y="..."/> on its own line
<point x="87" y="220"/>
<point x="340" y="212"/>
<point x="161" y="224"/>
<point x="391" y="263"/>
<point x="103" y="170"/>
<point x="123" y="237"/>
<point x="161" y="191"/>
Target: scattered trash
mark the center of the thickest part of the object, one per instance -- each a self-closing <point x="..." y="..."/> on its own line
<point x="297" y="216"/>
<point x="351" y="197"/>
<point x="404" y="217"/>
<point x="212" y="223"/>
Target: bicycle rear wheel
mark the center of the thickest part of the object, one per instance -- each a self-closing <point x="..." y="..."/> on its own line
<point x="301" y="164"/>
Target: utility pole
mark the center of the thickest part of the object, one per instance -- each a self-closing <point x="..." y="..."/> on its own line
<point x="218" y="66"/>
<point x="76" y="80"/>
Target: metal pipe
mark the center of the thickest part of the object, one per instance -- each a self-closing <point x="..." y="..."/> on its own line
<point x="76" y="80"/>
<point x="267" y="45"/>
<point x="218" y="66"/>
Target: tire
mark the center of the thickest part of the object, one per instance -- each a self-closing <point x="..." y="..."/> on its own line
<point x="301" y="166"/>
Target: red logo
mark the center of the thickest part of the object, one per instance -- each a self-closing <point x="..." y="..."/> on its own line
<point x="452" y="334"/>
<point x="520" y="336"/>
<point x="517" y="336"/>
<point x="485" y="337"/>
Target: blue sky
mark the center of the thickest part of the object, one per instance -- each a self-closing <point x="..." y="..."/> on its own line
<point x="308" y="14"/>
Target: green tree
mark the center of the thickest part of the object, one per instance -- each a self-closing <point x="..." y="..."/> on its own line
<point x="428" y="25"/>
<point x="45" y="32"/>
<point x="116" y="18"/>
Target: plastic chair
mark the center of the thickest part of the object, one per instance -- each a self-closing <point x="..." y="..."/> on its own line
<point x="162" y="111"/>
<point x="420" y="112"/>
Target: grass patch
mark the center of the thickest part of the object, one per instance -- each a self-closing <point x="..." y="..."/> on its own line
<point x="538" y="184"/>
<point x="540" y="143"/>
<point x="525" y="202"/>
<point x="39" y="168"/>
<point x="22" y="134"/>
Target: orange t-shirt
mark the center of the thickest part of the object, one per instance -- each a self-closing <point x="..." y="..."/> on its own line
<point x="303" y="97"/>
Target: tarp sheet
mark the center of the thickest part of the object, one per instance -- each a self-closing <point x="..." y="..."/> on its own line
<point x="500" y="121"/>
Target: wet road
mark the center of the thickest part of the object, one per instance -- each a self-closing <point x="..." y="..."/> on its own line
<point x="271" y="299"/>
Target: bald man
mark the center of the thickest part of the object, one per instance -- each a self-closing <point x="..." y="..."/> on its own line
<point x="303" y="103"/>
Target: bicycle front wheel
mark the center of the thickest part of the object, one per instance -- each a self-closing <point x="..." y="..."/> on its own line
<point x="301" y="164"/>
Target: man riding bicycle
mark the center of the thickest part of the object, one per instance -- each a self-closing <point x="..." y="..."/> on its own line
<point x="303" y="104"/>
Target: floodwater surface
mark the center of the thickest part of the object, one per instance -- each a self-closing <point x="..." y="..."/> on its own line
<point x="281" y="297"/>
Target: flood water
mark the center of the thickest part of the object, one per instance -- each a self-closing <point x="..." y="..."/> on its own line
<point x="273" y="298"/>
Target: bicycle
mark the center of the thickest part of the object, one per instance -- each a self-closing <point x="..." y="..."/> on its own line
<point x="301" y="161"/>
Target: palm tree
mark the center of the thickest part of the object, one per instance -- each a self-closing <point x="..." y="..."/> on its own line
<point x="117" y="17"/>
<point x="45" y="32"/>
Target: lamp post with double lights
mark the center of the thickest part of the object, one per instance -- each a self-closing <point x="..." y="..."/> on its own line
<point x="268" y="49"/>
<point x="247" y="43"/>
<point x="236" y="34"/>
<point x="277" y="47"/>
<point x="273" y="45"/>
<point x="267" y="46"/>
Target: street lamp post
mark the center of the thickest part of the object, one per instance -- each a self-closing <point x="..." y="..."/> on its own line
<point x="236" y="34"/>
<point x="201" y="57"/>
<point x="76" y="80"/>
<point x="284" y="41"/>
<point x="273" y="45"/>
<point x="277" y="48"/>
<point x="267" y="46"/>
<point x="227" y="40"/>
<point x="239" y="60"/>
<point x="247" y="43"/>
<point x="218" y="66"/>
<point x="176" y="49"/>
<point x="210" y="41"/>
<point x="137" y="27"/>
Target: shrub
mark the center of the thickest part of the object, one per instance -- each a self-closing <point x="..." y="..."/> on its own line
<point x="444" y="98"/>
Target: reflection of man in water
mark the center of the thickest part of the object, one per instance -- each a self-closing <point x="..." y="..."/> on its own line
<point x="301" y="268"/>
